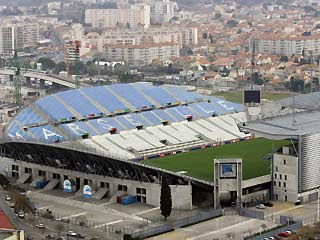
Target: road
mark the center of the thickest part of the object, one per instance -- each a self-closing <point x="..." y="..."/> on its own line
<point x="239" y="227"/>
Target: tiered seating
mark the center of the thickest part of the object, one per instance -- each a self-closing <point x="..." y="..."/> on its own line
<point x="113" y="148"/>
<point x="229" y="107"/>
<point x="158" y="94"/>
<point x="163" y="115"/>
<point x="131" y="95"/>
<point x="53" y="108"/>
<point x="220" y="134"/>
<point x="46" y="134"/>
<point x="29" y="117"/>
<point x="16" y="132"/>
<point x="104" y="125"/>
<point x="105" y="98"/>
<point x="176" y="113"/>
<point x="183" y="95"/>
<point x="78" y="102"/>
<point x="153" y="118"/>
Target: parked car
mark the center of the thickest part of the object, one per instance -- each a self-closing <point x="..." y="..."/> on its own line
<point x="94" y="238"/>
<point x="40" y="226"/>
<point x="298" y="202"/>
<point x="8" y="198"/>
<point x="261" y="206"/>
<point x="21" y="214"/>
<point x="284" y="234"/>
<point x="60" y="238"/>
<point x="72" y="233"/>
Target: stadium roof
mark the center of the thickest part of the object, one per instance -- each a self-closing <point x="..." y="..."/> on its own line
<point x="309" y="101"/>
<point x="290" y="126"/>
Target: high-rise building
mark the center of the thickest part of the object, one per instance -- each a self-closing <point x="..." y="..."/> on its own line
<point x="162" y="11"/>
<point x="18" y="35"/>
<point x="136" y="16"/>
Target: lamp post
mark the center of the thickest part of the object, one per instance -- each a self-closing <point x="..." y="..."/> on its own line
<point x="318" y="212"/>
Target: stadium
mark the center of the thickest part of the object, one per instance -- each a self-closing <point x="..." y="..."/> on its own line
<point x="124" y="138"/>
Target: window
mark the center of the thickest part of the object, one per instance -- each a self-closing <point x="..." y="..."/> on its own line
<point x="123" y="188"/>
<point x="275" y="176"/>
<point x="277" y="169"/>
<point x="284" y="162"/>
<point x="284" y="184"/>
<point x="280" y="176"/>
<point x="285" y="177"/>
<point x="279" y="184"/>
<point x="286" y="198"/>
<point x="275" y="183"/>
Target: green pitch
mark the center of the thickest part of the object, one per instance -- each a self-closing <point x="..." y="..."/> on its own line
<point x="199" y="163"/>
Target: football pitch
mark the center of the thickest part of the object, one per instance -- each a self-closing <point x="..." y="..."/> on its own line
<point x="199" y="163"/>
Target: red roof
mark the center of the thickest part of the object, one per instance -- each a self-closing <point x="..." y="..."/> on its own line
<point x="5" y="222"/>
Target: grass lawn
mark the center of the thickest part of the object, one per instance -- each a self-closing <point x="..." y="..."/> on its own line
<point x="199" y="163"/>
<point x="237" y="97"/>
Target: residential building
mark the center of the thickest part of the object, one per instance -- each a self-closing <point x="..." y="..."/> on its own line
<point x="286" y="45"/>
<point x="162" y="11"/>
<point x="181" y="36"/>
<point x="17" y="36"/>
<point x="141" y="54"/>
<point x="137" y="16"/>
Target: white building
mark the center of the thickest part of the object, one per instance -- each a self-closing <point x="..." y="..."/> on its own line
<point x="162" y="11"/>
<point x="286" y="45"/>
<point x="137" y="16"/>
<point x="141" y="54"/>
<point x="181" y="36"/>
<point x="18" y="35"/>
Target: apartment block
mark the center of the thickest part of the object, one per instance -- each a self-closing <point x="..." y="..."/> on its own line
<point x="285" y="45"/>
<point x="17" y="36"/>
<point x="137" y="16"/>
<point x="141" y="54"/>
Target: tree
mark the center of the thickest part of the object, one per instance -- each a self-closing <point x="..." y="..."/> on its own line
<point x="47" y="63"/>
<point x="264" y="227"/>
<point x="165" y="199"/>
<point x="61" y="66"/>
<point x="21" y="201"/>
<point x="59" y="228"/>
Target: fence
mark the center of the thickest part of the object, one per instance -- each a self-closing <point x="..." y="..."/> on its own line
<point x="251" y="213"/>
<point x="294" y="226"/>
<point x="203" y="216"/>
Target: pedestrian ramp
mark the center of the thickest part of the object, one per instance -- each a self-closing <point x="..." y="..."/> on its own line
<point x="101" y="193"/>
<point x="24" y="178"/>
<point x="34" y="182"/>
<point x="52" y="184"/>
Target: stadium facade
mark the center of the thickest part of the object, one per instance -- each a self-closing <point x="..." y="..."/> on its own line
<point x="296" y="168"/>
<point x="97" y="136"/>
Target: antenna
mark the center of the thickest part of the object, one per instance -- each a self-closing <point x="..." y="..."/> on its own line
<point x="292" y="109"/>
<point x="252" y="62"/>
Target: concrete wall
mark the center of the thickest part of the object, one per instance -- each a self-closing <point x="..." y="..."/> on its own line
<point x="181" y="194"/>
<point x="287" y="188"/>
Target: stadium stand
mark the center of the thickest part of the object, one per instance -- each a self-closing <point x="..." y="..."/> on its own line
<point x="129" y="120"/>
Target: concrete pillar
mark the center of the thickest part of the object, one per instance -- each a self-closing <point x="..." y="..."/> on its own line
<point x="42" y="84"/>
<point x="28" y="81"/>
<point x="11" y="78"/>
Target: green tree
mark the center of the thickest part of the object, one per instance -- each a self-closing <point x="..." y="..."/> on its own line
<point x="92" y="69"/>
<point x="61" y="66"/>
<point x="165" y="199"/>
<point x="47" y="63"/>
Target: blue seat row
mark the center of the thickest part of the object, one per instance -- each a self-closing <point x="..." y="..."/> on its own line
<point x="53" y="108"/>
<point x="183" y="95"/>
<point x="105" y="98"/>
<point x="28" y="117"/>
<point x="159" y="95"/>
<point x="131" y="95"/>
<point x="78" y="102"/>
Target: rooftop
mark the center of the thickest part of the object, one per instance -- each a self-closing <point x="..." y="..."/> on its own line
<point x="5" y="222"/>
